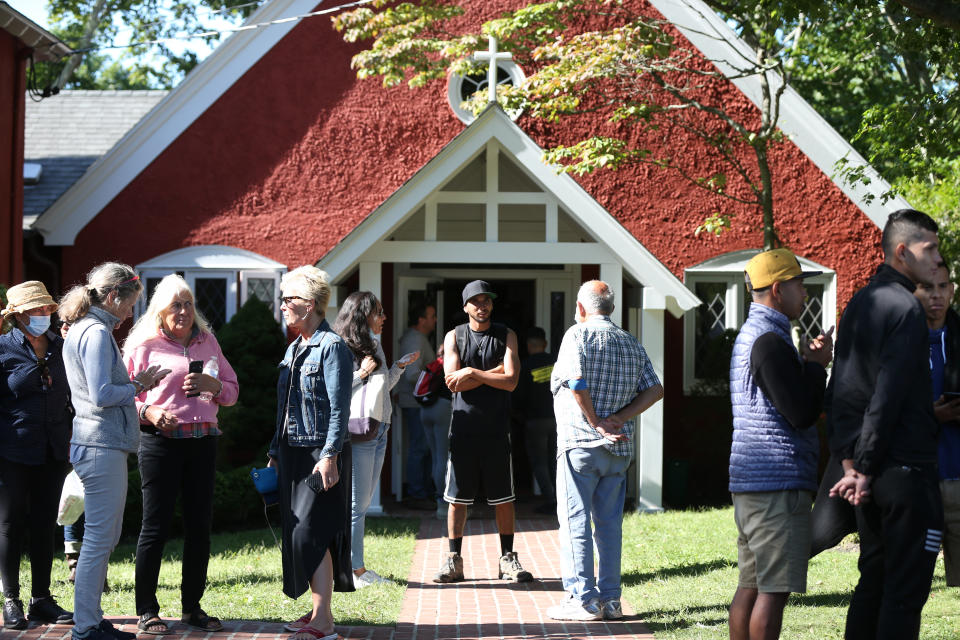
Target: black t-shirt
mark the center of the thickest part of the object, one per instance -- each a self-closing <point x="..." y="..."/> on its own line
<point x="532" y="397"/>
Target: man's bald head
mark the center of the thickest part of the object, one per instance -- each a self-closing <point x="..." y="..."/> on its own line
<point x="596" y="297"/>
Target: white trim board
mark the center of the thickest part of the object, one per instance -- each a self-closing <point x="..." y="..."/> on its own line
<point x="493" y="126"/>
<point x="803" y="125"/>
<point x="202" y="87"/>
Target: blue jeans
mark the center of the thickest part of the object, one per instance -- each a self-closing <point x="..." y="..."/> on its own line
<point x="436" y="428"/>
<point x="103" y="473"/>
<point x="367" y="464"/>
<point x="591" y="482"/>
<point x="418" y="455"/>
<point x="73" y="536"/>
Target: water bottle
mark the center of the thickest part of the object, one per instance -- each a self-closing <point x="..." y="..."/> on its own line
<point x="212" y="369"/>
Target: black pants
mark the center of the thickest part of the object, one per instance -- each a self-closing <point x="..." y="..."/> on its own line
<point x="832" y="518"/>
<point x="900" y="532"/>
<point x="29" y="498"/>
<point x="168" y="467"/>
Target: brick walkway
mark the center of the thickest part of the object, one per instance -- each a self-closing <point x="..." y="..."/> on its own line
<point x="480" y="607"/>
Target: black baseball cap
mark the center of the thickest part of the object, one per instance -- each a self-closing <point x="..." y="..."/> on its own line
<point x="477" y="287"/>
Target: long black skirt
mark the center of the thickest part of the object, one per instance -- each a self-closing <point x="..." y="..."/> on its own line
<point x="313" y="522"/>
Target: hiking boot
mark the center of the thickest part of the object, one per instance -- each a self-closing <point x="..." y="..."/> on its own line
<point x="48" y="611"/>
<point x="511" y="570"/>
<point x="451" y="570"/>
<point x="573" y="609"/>
<point x="611" y="610"/>
<point x="13" y="617"/>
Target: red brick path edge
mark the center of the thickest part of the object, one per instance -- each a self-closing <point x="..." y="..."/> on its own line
<point x="480" y="607"/>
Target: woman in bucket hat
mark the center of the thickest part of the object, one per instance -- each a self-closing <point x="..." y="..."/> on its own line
<point x="34" y="444"/>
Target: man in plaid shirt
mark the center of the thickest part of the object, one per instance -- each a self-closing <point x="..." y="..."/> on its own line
<point x="602" y="380"/>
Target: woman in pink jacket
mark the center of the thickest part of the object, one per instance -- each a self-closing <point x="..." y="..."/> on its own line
<point x="178" y="446"/>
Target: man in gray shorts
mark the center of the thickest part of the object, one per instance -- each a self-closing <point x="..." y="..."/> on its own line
<point x="777" y="395"/>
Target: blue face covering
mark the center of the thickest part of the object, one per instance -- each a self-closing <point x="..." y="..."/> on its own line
<point x="38" y="324"/>
<point x="375" y="336"/>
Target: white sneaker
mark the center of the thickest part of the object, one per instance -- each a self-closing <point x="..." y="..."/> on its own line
<point x="367" y="578"/>
<point x="571" y="609"/>
<point x="611" y="610"/>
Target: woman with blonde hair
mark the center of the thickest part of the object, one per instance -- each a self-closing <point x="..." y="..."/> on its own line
<point x="178" y="446"/>
<point x="105" y="427"/>
<point x="313" y="400"/>
<point x="34" y="444"/>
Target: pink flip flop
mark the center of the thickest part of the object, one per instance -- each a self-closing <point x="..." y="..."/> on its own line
<point x="316" y="633"/>
<point x="299" y="623"/>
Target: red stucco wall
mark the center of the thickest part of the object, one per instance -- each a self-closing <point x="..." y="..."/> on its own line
<point x="298" y="151"/>
<point x="12" y="67"/>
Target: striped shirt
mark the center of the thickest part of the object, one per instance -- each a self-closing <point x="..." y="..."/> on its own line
<point x="615" y="368"/>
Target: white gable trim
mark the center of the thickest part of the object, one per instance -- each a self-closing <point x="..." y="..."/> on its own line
<point x="203" y="86"/>
<point x="211" y="256"/>
<point x="806" y="128"/>
<point x="365" y="242"/>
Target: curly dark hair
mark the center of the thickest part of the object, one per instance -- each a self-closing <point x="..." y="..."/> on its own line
<point x="352" y="325"/>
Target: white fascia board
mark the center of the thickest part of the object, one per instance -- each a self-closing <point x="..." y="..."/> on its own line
<point x="798" y="120"/>
<point x="495" y="124"/>
<point x="210" y="256"/>
<point x="202" y="87"/>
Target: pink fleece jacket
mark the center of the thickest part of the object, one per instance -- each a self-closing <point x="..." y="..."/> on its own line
<point x="169" y="394"/>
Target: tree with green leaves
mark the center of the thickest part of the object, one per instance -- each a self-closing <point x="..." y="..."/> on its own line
<point x="605" y="58"/>
<point x="97" y="29"/>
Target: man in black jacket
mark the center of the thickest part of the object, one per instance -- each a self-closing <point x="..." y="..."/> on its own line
<point x="881" y="425"/>
<point x="943" y="324"/>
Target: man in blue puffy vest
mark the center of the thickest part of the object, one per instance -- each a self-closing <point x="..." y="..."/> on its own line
<point x="777" y="395"/>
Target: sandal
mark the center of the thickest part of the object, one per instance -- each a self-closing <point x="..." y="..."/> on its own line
<point x="314" y="633"/>
<point x="152" y="625"/>
<point x="199" y="619"/>
<point x="299" y="623"/>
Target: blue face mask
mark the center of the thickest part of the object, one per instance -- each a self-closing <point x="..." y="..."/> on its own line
<point x="38" y="324"/>
<point x="375" y="336"/>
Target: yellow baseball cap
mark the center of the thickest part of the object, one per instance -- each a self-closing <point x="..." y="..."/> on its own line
<point x="776" y="265"/>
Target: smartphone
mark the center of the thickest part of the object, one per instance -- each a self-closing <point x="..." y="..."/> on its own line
<point x="315" y="482"/>
<point x="196" y="366"/>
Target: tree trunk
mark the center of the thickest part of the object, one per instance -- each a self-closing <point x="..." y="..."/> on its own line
<point x="770" y="239"/>
<point x="93" y="23"/>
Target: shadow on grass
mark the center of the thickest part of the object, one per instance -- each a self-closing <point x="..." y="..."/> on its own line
<point x="632" y="578"/>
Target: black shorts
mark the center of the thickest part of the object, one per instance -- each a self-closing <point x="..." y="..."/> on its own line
<point x="479" y="462"/>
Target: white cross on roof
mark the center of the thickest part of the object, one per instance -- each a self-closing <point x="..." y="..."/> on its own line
<point x="493" y="56"/>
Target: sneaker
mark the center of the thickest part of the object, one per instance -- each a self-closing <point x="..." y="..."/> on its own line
<point x="451" y="570"/>
<point x="13" y="617"/>
<point x="113" y="633"/>
<point x="511" y="570"/>
<point x="368" y="578"/>
<point x="611" y="610"/>
<point x="47" y="610"/>
<point x="573" y="609"/>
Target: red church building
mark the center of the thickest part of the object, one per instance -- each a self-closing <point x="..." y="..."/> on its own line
<point x="271" y="154"/>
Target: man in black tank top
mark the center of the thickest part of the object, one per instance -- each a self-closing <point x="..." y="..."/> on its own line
<point x="481" y="366"/>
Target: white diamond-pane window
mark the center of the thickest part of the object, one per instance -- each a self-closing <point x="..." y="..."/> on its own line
<point x="811" y="317"/>
<point x="710" y="360"/>
<point x="212" y="300"/>
<point x="263" y="288"/>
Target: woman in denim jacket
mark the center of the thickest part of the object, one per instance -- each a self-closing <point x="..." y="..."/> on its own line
<point x="313" y="402"/>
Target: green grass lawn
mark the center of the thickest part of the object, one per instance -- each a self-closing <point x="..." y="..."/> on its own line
<point x="244" y="578"/>
<point x="680" y="572"/>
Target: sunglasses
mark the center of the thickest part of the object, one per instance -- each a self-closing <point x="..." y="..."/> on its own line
<point x="286" y="299"/>
<point x="45" y="377"/>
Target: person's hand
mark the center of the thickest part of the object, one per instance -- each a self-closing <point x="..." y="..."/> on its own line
<point x="160" y="418"/>
<point x="611" y="428"/>
<point x="408" y="359"/>
<point x="820" y="349"/>
<point x="327" y="468"/>
<point x="455" y="379"/>
<point x="368" y="366"/>
<point x="854" y="487"/>
<point x="272" y="463"/>
<point x="200" y="383"/>
<point x="151" y="376"/>
<point x="946" y="410"/>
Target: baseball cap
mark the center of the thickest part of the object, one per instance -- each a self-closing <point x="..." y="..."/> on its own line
<point x="477" y="287"/>
<point x="776" y="265"/>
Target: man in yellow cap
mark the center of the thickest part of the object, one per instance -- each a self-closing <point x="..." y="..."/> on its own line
<point x="777" y="395"/>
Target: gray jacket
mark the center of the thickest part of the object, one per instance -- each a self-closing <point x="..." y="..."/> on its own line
<point x="413" y="340"/>
<point x="100" y="386"/>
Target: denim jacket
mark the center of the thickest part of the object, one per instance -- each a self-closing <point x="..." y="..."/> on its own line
<point x="319" y="405"/>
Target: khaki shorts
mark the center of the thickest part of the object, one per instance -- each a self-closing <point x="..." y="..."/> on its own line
<point x="950" y="490"/>
<point x="774" y="542"/>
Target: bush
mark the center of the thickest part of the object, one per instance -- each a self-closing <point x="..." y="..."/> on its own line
<point x="254" y="344"/>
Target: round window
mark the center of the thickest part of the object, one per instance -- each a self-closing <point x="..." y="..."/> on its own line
<point x="461" y="87"/>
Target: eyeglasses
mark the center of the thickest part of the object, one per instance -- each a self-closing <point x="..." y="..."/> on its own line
<point x="286" y="299"/>
<point x="45" y="378"/>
